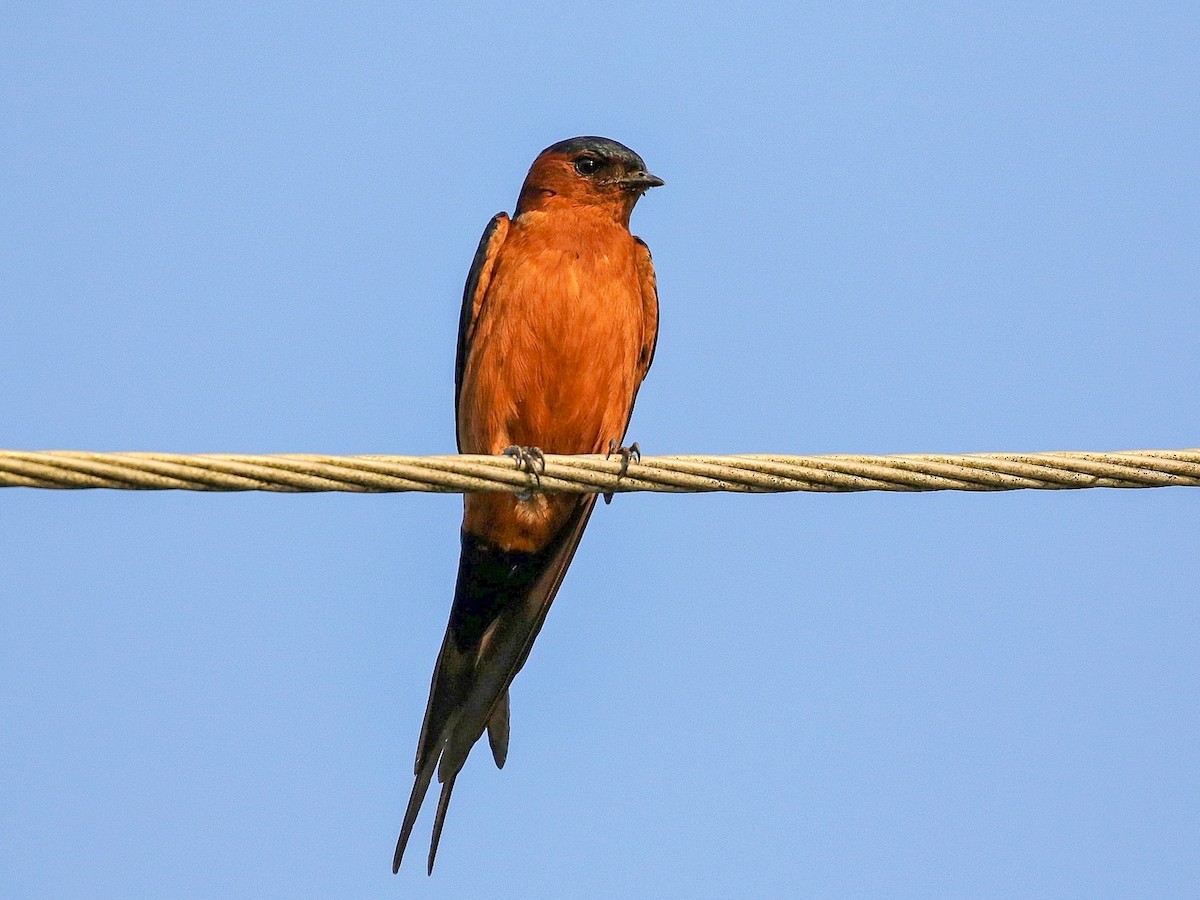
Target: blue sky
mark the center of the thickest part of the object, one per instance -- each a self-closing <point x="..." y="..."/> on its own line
<point x="245" y="228"/>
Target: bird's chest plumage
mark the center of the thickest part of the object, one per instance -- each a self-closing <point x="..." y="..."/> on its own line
<point x="553" y="360"/>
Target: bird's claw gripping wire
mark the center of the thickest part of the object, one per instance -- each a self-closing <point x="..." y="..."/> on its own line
<point x="530" y="460"/>
<point x="632" y="452"/>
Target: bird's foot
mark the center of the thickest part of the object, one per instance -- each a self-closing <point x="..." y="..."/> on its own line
<point x="632" y="452"/>
<point x="532" y="461"/>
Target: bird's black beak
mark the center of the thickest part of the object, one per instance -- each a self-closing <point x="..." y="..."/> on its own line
<point x="640" y="181"/>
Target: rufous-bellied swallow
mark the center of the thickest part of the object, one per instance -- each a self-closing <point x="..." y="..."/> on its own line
<point x="558" y="328"/>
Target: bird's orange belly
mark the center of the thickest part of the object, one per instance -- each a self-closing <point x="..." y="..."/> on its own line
<point x="558" y="374"/>
<point x="551" y="367"/>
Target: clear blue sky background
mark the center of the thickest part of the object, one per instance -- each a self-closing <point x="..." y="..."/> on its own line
<point x="241" y="227"/>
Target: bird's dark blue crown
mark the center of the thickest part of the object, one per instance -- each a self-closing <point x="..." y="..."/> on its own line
<point x="603" y="147"/>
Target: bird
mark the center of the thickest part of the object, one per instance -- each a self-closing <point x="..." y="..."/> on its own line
<point x="558" y="328"/>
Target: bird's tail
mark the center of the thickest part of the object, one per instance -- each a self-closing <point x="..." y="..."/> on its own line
<point x="500" y="602"/>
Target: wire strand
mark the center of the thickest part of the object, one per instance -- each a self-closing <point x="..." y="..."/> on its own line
<point x="752" y="473"/>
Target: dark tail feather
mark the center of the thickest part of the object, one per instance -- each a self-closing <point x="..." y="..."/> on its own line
<point x="497" y="729"/>
<point x="415" y="799"/>
<point x="446" y="691"/>
<point x="439" y="820"/>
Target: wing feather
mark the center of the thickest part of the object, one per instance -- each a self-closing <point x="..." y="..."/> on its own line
<point x="483" y="266"/>
<point x="649" y="287"/>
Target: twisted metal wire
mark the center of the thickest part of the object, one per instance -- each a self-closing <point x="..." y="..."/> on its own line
<point x="752" y="473"/>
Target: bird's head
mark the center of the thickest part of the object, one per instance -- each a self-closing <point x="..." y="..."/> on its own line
<point x="592" y="172"/>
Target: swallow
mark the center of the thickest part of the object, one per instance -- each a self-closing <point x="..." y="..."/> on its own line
<point x="558" y="329"/>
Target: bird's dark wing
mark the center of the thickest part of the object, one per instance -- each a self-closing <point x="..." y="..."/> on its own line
<point x="478" y="279"/>
<point x="649" y="287"/>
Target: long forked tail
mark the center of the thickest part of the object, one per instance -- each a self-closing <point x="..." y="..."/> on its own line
<point x="500" y="602"/>
<point x="498" y="738"/>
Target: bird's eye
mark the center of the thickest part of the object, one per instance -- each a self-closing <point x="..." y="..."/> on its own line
<point x="587" y="165"/>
